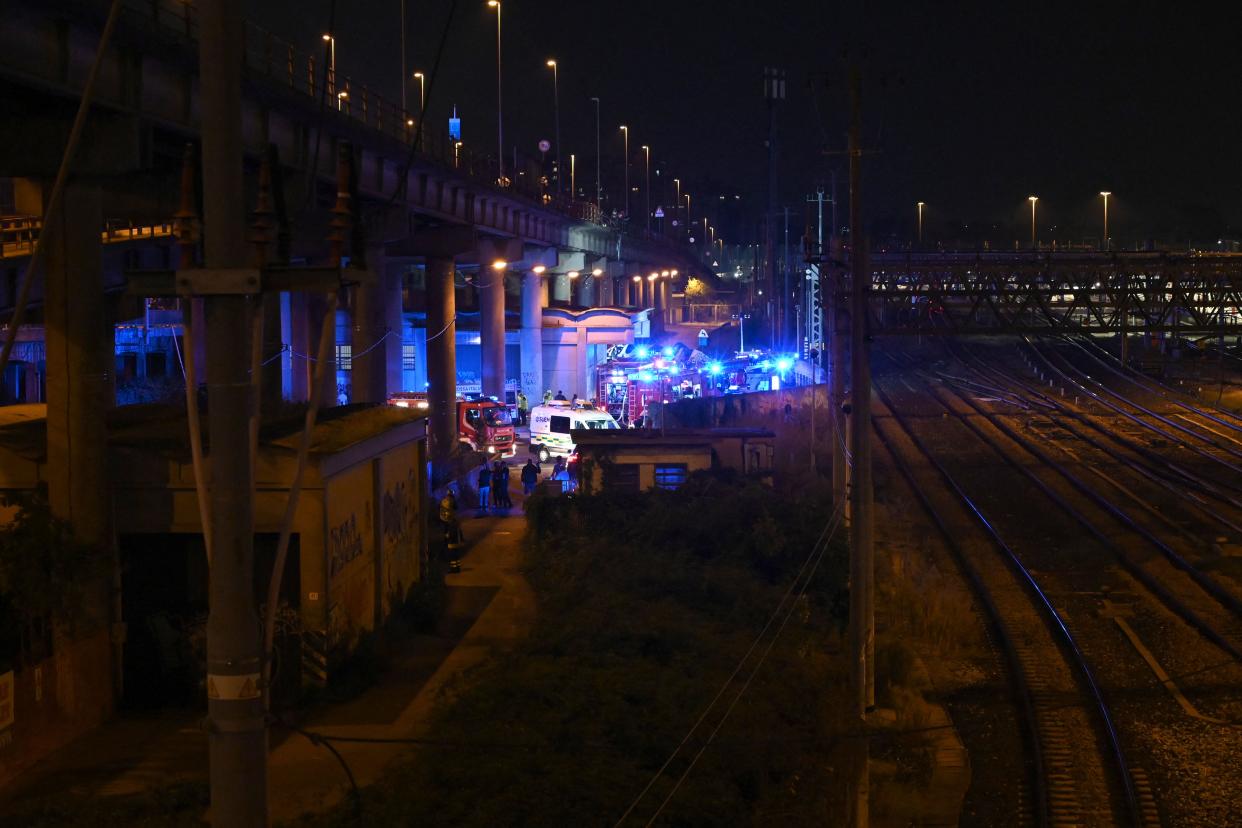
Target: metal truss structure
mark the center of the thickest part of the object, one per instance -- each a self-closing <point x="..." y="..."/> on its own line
<point x="988" y="293"/>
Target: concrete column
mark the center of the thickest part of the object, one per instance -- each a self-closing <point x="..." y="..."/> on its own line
<point x="273" y="388"/>
<point x="368" y="317"/>
<point x="586" y="290"/>
<point x="441" y="360"/>
<point x="394" y="319"/>
<point x="532" y="336"/>
<point x="298" y="333"/>
<point x="492" y="329"/>
<point x="316" y="307"/>
<point x="80" y="359"/>
<point x="561" y="288"/>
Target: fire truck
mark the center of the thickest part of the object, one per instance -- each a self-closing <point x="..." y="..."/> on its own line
<point x="486" y="425"/>
<point x="482" y="423"/>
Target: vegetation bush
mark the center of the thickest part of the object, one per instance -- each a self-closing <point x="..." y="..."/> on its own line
<point x="647" y="602"/>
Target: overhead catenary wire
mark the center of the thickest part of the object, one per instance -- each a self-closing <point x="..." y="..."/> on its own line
<point x="745" y="686"/>
<point x="195" y="425"/>
<point x="824" y="538"/>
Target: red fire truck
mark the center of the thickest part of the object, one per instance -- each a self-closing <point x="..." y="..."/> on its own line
<point x="486" y="425"/>
<point x="482" y="423"/>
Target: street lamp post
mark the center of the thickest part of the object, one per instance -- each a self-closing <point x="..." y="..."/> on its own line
<point x="599" y="193"/>
<point x="921" y="224"/>
<point x="1107" y="243"/>
<point x="556" y="109"/>
<point x="1033" y="199"/>
<point x="573" y="180"/>
<point x="404" y="108"/>
<point x="331" y="41"/>
<point x="647" y="188"/>
<point x="626" y="131"/>
<point x="422" y="93"/>
<point x="500" y="128"/>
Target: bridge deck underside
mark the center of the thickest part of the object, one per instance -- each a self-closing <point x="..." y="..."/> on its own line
<point x="1193" y="295"/>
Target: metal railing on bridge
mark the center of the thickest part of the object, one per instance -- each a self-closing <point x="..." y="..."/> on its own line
<point x="18" y="234"/>
<point x="932" y="293"/>
<point x="270" y="57"/>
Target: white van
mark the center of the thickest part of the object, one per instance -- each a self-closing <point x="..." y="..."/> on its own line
<point x="551" y="423"/>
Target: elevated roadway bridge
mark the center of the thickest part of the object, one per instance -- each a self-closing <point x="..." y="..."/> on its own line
<point x="932" y="293"/>
<point x="440" y="208"/>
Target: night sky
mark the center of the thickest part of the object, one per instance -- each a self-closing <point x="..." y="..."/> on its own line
<point x="970" y="108"/>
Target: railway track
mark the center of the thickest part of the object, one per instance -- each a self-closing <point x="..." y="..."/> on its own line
<point x="1147" y="483"/>
<point x="1073" y="780"/>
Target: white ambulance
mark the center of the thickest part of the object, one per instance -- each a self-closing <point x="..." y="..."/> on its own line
<point x="551" y="423"/>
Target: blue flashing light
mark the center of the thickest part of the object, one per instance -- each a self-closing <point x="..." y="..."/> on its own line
<point x="715" y="368"/>
<point x="784" y="364"/>
<point x="642" y="352"/>
<point x="668" y="351"/>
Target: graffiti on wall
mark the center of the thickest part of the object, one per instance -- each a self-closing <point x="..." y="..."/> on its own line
<point x="344" y="545"/>
<point x="398" y="511"/>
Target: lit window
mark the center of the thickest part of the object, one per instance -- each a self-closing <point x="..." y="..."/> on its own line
<point x="409" y="358"/>
<point x="345" y="357"/>
<point x="670" y="475"/>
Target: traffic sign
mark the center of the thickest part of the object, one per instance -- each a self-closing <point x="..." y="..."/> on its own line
<point x="545" y="145"/>
<point x="659" y="213"/>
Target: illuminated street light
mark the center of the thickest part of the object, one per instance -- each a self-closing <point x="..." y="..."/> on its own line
<point x="1033" y="199"/>
<point x="626" y="131"/>
<point x="422" y="92"/>
<point x="673" y="273"/>
<point x="500" y="129"/>
<point x="920" y="206"/>
<point x="573" y="274"/>
<point x="499" y="264"/>
<point x="556" y="109"/>
<point x="1107" y="244"/>
<point x="538" y="269"/>
<point x="597" y="272"/>
<point x="331" y="41"/>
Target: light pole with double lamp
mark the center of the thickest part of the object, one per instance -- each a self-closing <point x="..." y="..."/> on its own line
<point x="500" y="127"/>
<point x="556" y="109"/>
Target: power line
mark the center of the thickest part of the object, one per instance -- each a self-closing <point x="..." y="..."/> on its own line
<point x="825" y="535"/>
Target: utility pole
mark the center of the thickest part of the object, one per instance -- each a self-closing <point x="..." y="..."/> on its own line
<point x="785" y="294"/>
<point x="599" y="192"/>
<point x="237" y="735"/>
<point x="773" y="91"/>
<point x="862" y="566"/>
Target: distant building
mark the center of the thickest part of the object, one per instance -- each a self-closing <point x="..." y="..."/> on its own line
<point x="642" y="459"/>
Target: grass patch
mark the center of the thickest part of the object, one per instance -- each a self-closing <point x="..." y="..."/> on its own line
<point x="646" y="604"/>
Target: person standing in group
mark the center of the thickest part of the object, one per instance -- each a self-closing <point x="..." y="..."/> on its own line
<point x="485" y="486"/>
<point x="547" y="396"/>
<point x="560" y="396"/>
<point x="530" y="477"/>
<point x="523" y="407"/>
<point x="500" y="485"/>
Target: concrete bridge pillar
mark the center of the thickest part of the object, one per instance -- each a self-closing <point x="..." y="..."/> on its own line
<point x="494" y="261"/>
<point x="566" y="262"/>
<point x="80" y="359"/>
<point x="439" y="249"/>
<point x="534" y="300"/>
<point x="441" y="360"/>
<point x="369" y="329"/>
